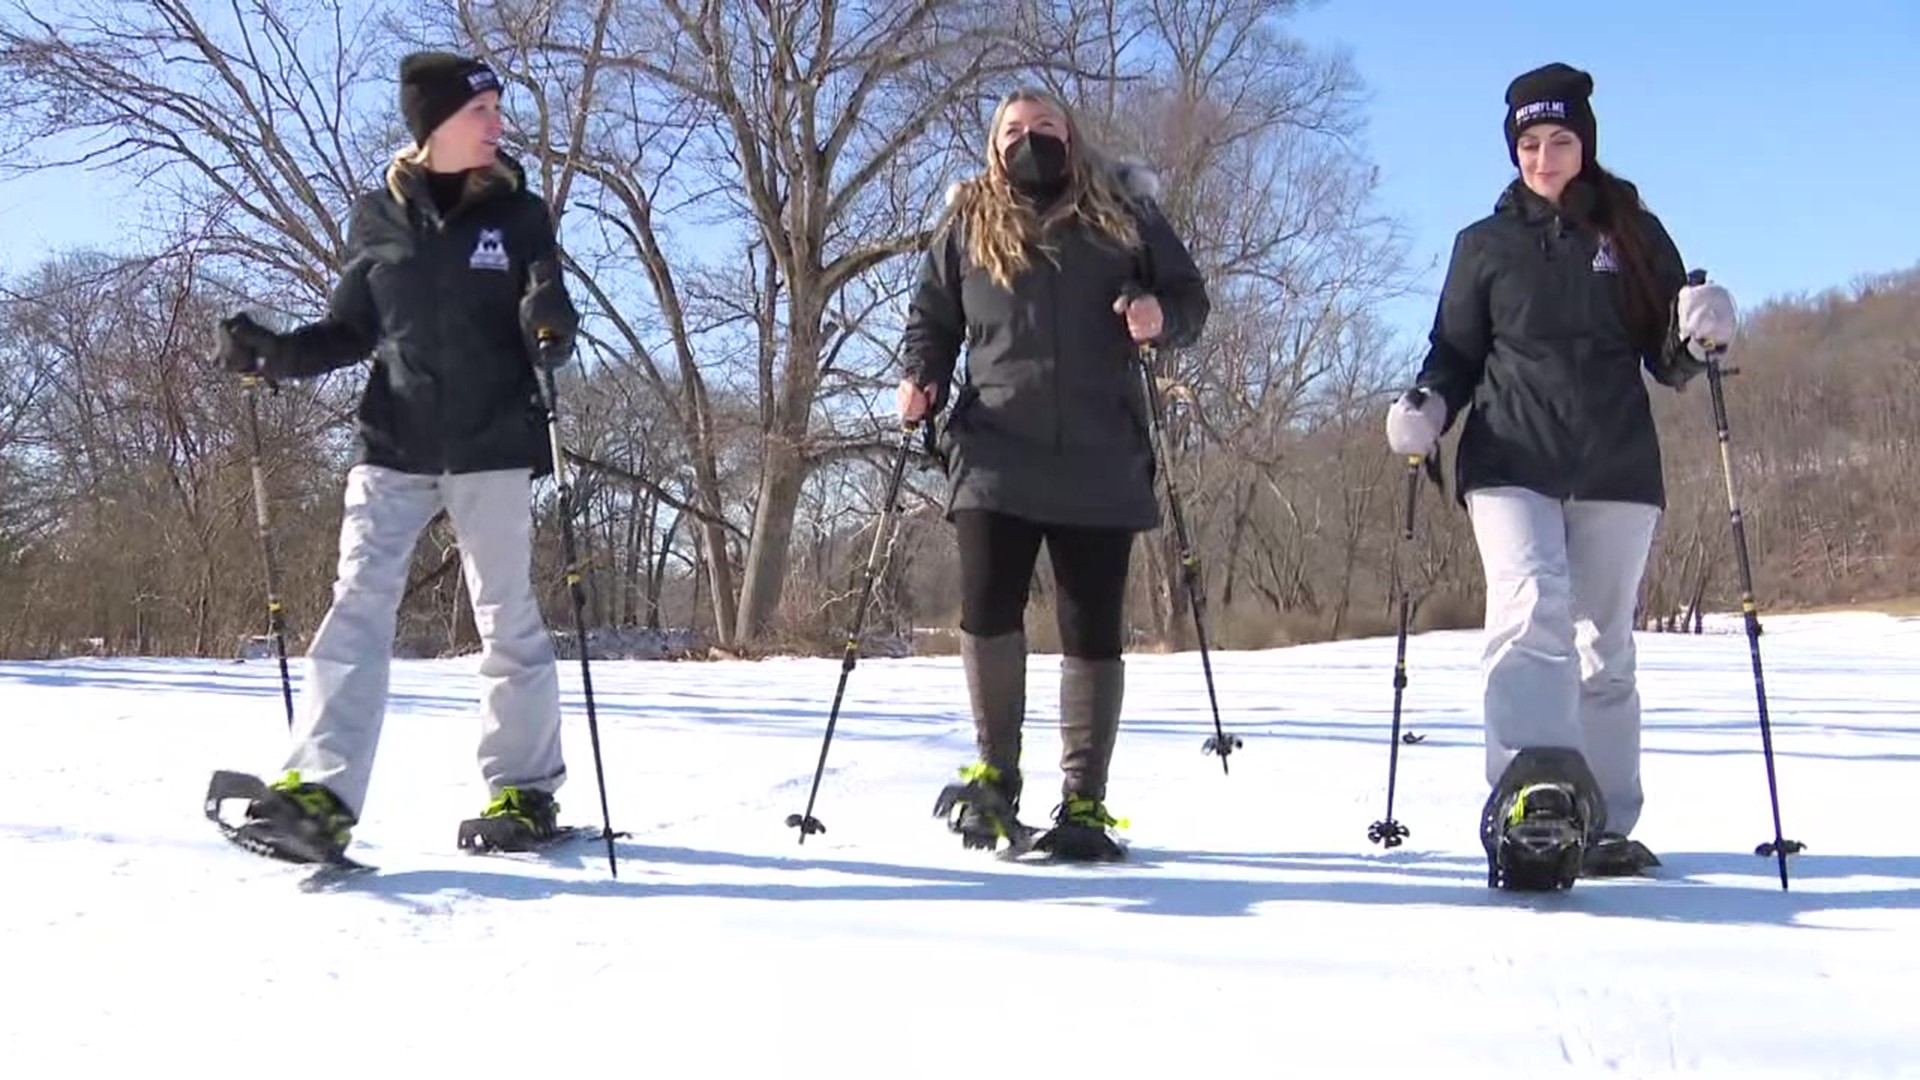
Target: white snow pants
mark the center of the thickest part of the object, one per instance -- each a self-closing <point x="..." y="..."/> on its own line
<point x="346" y="693"/>
<point x="1558" y="669"/>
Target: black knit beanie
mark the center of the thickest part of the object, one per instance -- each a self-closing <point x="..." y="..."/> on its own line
<point x="435" y="85"/>
<point x="1554" y="94"/>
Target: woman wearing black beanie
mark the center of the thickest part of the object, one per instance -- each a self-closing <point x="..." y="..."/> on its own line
<point x="1552" y="308"/>
<point x="440" y="289"/>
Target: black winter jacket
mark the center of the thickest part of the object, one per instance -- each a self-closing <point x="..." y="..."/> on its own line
<point x="1050" y="423"/>
<point x="436" y="302"/>
<point x="1530" y="331"/>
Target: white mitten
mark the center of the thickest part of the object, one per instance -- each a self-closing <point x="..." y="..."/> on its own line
<point x="1415" y="422"/>
<point x="1706" y="317"/>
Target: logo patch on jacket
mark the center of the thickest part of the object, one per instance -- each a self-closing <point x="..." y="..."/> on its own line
<point x="1603" y="259"/>
<point x="491" y="252"/>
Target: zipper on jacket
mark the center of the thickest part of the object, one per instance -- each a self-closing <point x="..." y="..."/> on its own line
<point x="1059" y="400"/>
<point x="1582" y="280"/>
<point x="1566" y="285"/>
<point x="436" y="258"/>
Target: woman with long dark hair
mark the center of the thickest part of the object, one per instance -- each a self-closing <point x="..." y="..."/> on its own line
<point x="1552" y="308"/>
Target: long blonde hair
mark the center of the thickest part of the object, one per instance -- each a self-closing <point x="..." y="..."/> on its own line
<point x="1001" y="229"/>
<point x="413" y="160"/>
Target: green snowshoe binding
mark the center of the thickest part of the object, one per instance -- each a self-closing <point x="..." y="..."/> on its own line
<point x="1538" y="821"/>
<point x="1081" y="833"/>
<point x="984" y="808"/>
<point x="519" y="819"/>
<point x="289" y="820"/>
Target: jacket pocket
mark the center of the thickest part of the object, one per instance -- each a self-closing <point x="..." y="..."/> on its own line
<point x="963" y="402"/>
<point x="1135" y="407"/>
<point x="948" y="430"/>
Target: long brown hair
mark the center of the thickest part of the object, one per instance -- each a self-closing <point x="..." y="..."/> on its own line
<point x="1613" y="209"/>
<point x="1002" y="229"/>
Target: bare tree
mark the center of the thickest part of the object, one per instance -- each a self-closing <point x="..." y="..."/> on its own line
<point x="141" y="518"/>
<point x="793" y="140"/>
<point x="246" y="127"/>
<point x="741" y="189"/>
<point x="1251" y="131"/>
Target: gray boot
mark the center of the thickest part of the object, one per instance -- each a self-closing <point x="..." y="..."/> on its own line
<point x="997" y="684"/>
<point x="1090" y="696"/>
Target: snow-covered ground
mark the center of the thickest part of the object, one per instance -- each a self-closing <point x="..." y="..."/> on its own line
<point x="1256" y="932"/>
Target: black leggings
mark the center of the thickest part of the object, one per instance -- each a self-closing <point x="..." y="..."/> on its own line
<point x="997" y="555"/>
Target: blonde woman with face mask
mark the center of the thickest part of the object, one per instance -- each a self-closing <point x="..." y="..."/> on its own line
<point x="1053" y="267"/>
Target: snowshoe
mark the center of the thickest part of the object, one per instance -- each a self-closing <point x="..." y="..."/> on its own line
<point x="520" y="819"/>
<point x="288" y="820"/>
<point x="1541" y="842"/>
<point x="1613" y="855"/>
<point x="1080" y="833"/>
<point x="1537" y="821"/>
<point x="983" y="808"/>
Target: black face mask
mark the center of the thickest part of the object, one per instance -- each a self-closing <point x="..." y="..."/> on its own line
<point x="1037" y="164"/>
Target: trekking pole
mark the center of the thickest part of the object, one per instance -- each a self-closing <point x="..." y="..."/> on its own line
<point x="1219" y="742"/>
<point x="1779" y="847"/>
<point x="883" y="539"/>
<point x="1387" y="831"/>
<point x="262" y="527"/>
<point x="549" y="342"/>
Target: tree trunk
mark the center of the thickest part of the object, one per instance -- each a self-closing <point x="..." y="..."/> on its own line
<point x="719" y="581"/>
<point x="782" y="475"/>
<point x="657" y="580"/>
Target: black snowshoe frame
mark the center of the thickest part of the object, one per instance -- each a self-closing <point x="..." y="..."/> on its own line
<point x="480" y="836"/>
<point x="497" y="835"/>
<point x="260" y="837"/>
<point x="1546" y="850"/>
<point x="1066" y="842"/>
<point x="953" y="804"/>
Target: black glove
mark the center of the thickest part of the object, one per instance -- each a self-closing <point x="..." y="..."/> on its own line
<point x="245" y="346"/>
<point x="547" y="318"/>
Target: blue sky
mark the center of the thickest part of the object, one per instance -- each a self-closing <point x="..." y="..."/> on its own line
<point x="1776" y="139"/>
